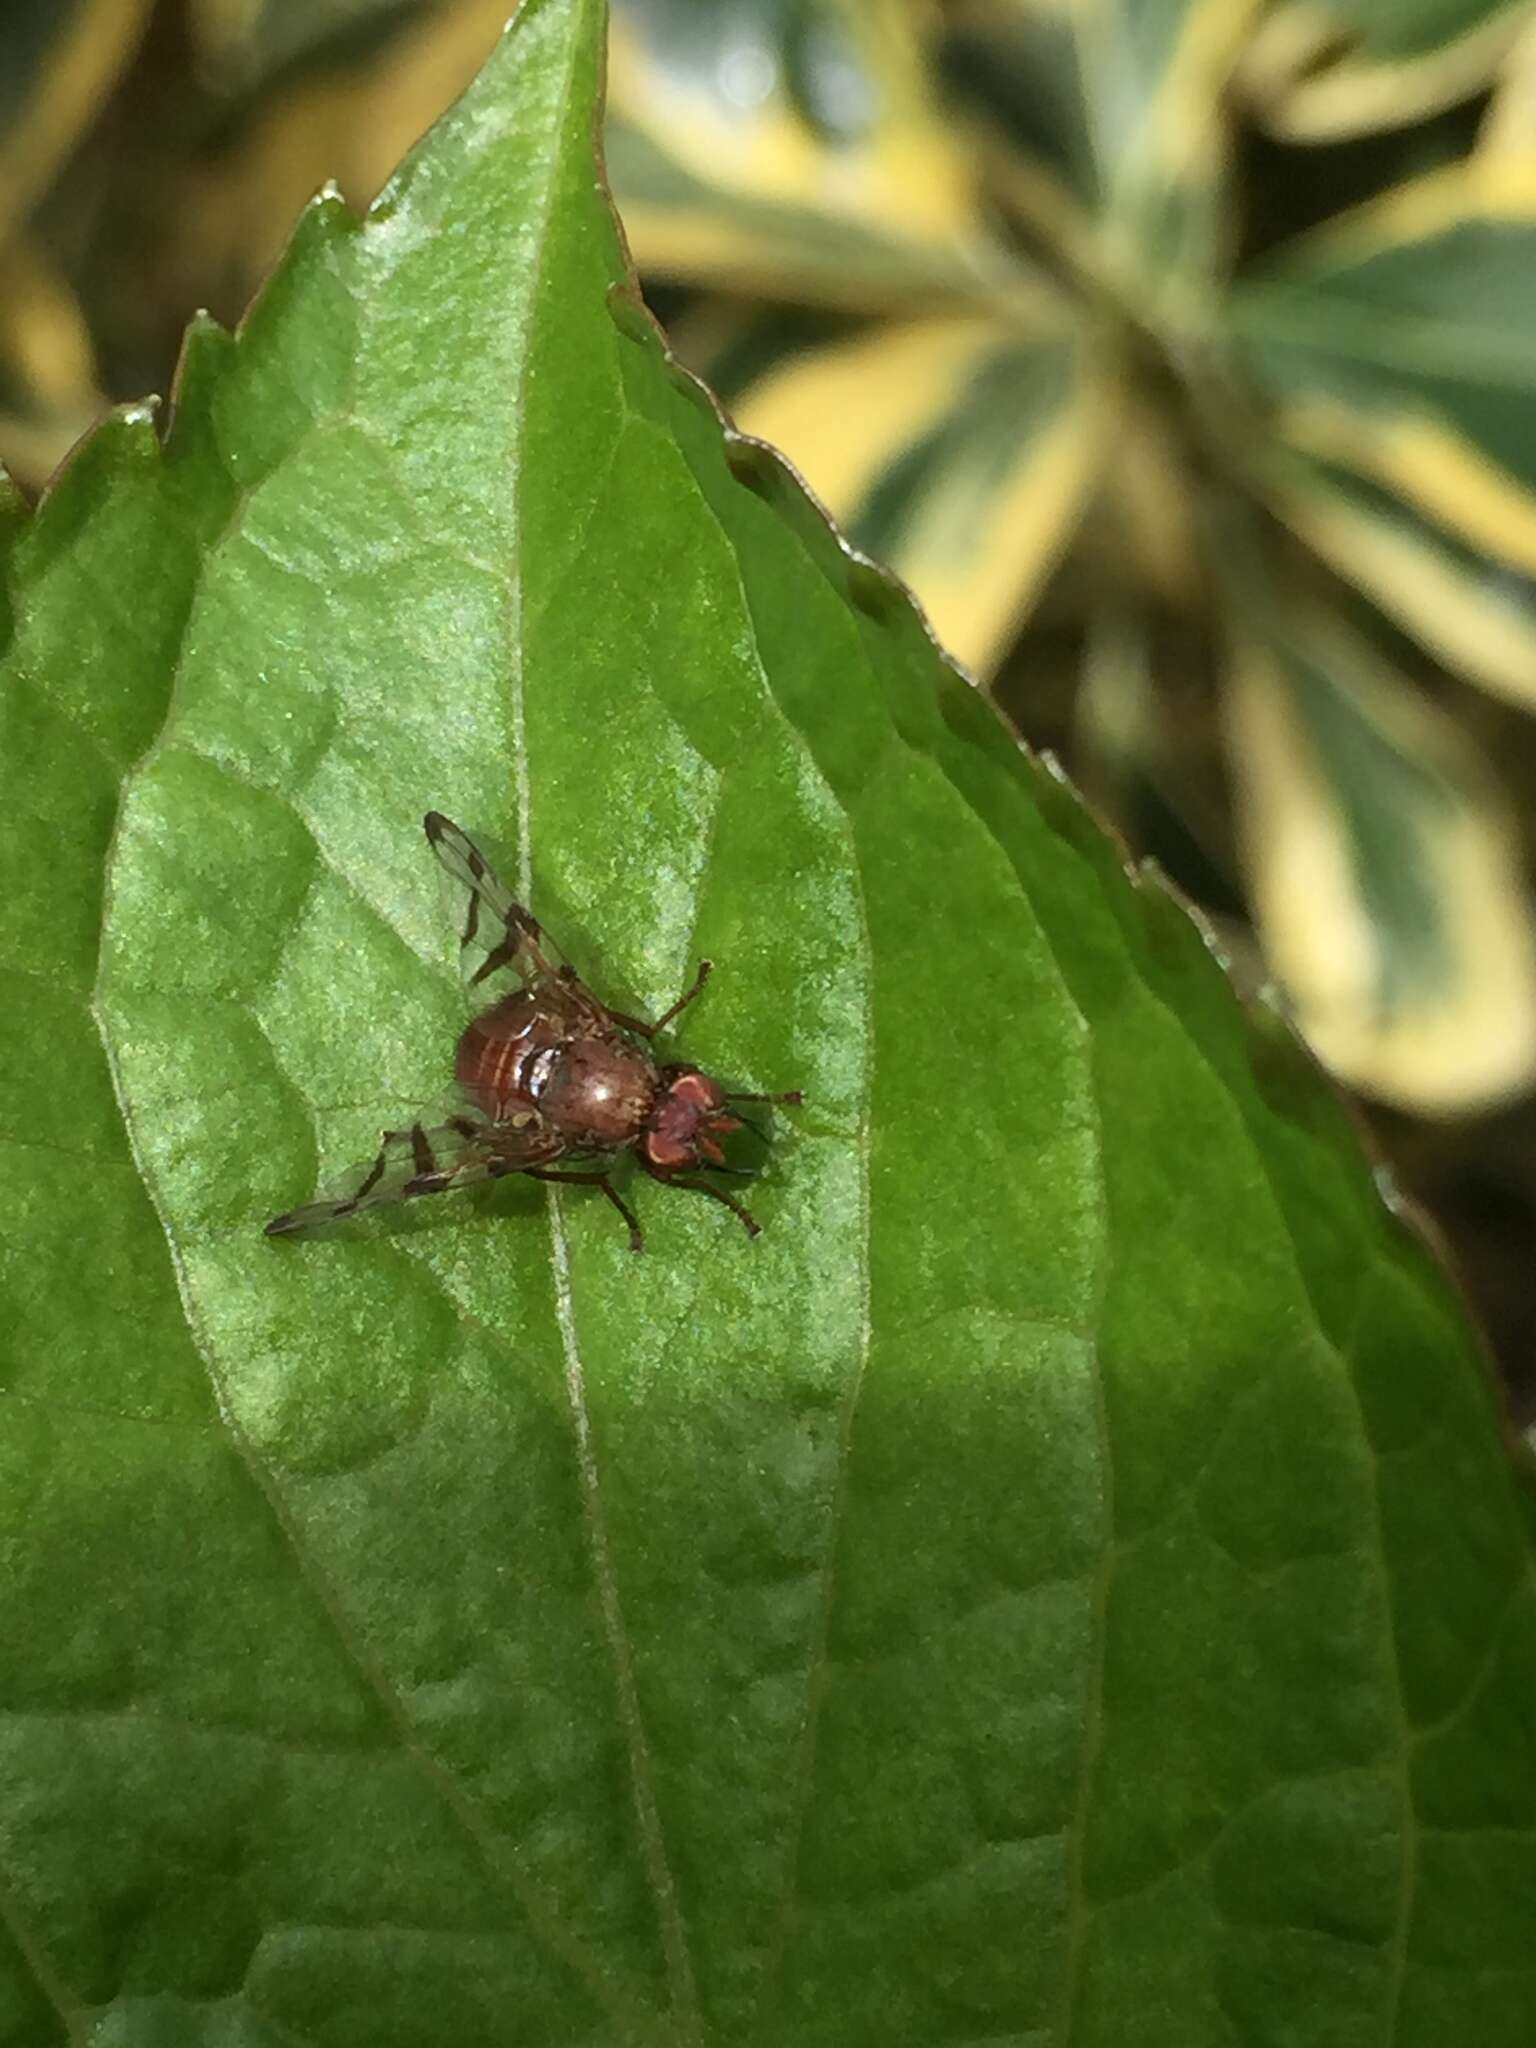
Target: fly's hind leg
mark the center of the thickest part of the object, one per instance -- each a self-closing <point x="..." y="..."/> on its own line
<point x="598" y="1180"/>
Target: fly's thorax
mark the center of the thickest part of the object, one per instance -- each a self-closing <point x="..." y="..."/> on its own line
<point x="599" y="1090"/>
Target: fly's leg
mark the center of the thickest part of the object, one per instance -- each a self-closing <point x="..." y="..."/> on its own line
<point x="366" y="1186"/>
<point x="706" y="967"/>
<point x="792" y="1097"/>
<point x="748" y="1221"/>
<point x="598" y="1180"/>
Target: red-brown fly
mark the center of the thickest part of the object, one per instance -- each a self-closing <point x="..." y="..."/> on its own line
<point x="545" y="1072"/>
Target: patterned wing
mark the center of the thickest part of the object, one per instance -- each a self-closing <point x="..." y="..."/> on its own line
<point x="431" y="1159"/>
<point x="498" y="934"/>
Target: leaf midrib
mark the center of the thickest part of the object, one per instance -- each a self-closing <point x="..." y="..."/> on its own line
<point x="500" y="1860"/>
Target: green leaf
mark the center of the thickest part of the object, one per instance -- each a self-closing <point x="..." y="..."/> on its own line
<point x="1062" y="1581"/>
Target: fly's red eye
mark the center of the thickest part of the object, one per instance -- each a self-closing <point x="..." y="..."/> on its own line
<point x="667" y="1152"/>
<point x="695" y="1090"/>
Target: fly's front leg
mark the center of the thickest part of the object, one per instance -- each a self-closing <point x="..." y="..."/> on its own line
<point x="706" y="968"/>
<point x="790" y="1096"/>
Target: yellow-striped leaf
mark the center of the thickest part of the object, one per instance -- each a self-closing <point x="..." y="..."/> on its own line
<point x="1509" y="126"/>
<point x="1320" y="70"/>
<point x="1386" y="881"/>
<point x="1399" y="343"/>
<point x="959" y="455"/>
<point x="1121" y="103"/>
<point x="1475" y="615"/>
<point x="815" y="165"/>
<point x="1157" y="76"/>
<point x="1422" y="460"/>
<point x="52" y="93"/>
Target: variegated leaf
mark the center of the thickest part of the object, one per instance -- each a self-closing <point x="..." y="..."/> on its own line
<point x="813" y="164"/>
<point x="1475" y="613"/>
<point x="1396" y="347"/>
<point x="1120" y="106"/>
<point x="1321" y="70"/>
<point x="957" y="454"/>
<point x="1386" y="880"/>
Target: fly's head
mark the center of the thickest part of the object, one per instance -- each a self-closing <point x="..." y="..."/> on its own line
<point x="687" y="1119"/>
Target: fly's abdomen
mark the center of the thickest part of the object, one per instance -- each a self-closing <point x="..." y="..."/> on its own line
<point x="503" y="1055"/>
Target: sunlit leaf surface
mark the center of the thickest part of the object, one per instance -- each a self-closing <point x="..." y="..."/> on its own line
<point x="1060" y="1583"/>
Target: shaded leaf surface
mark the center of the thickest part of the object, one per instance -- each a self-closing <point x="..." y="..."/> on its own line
<point x="1061" y="1582"/>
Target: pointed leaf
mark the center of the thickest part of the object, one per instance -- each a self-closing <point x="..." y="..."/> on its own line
<point x="1063" y="1580"/>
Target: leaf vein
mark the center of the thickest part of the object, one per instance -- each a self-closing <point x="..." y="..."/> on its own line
<point x="653" y="1847"/>
<point x="44" y="1976"/>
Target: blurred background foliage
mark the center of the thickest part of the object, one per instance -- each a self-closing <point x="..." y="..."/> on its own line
<point x="1180" y="354"/>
